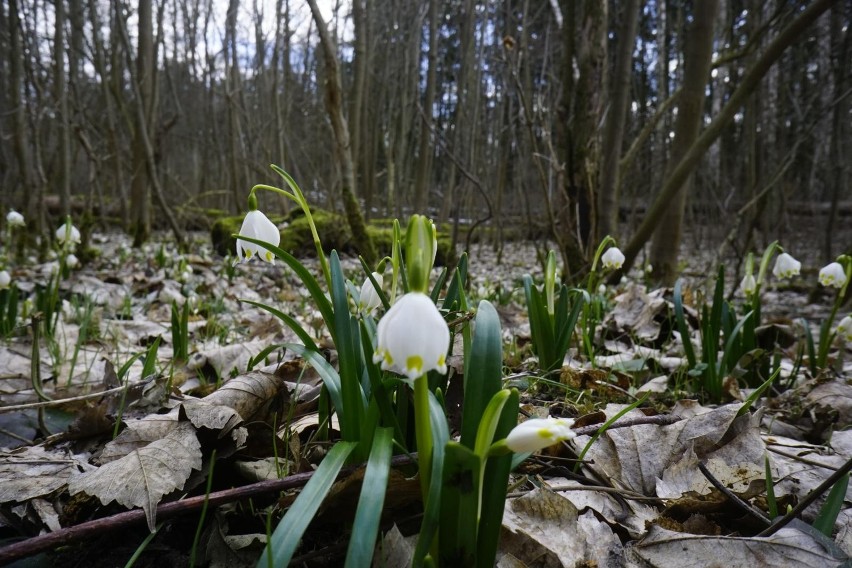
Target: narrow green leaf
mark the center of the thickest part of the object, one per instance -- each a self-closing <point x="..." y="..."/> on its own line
<point x="285" y="539"/>
<point x="827" y="516"/>
<point x="365" y="527"/>
<point x="606" y="426"/>
<point x="459" y="506"/>
<point x="771" y="503"/>
<point x="429" y="525"/>
<point x="758" y="392"/>
<point x="483" y="377"/>
<point x="493" y="489"/>
<point x="289" y="321"/>
<point x="327" y="373"/>
<point x="682" y="328"/>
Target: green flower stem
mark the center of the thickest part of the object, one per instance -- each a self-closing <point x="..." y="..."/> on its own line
<point x="423" y="433"/>
<point x="299" y="198"/>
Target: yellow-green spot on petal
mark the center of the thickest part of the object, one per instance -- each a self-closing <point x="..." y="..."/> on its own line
<point x="545" y="433"/>
<point x="414" y="362"/>
<point x="442" y="360"/>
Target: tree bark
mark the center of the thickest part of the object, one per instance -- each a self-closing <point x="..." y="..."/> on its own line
<point x="608" y="194"/>
<point x="342" y="145"/>
<point x="424" y="159"/>
<point x="687" y="164"/>
<point x="61" y="101"/>
<point x="140" y="192"/>
<point x="698" y="53"/>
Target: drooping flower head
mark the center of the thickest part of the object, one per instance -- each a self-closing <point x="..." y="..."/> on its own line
<point x="5" y="280"/>
<point x="748" y="285"/>
<point x="68" y="236"/>
<point x="844" y="329"/>
<point x="369" y="299"/>
<point x="613" y="258"/>
<point x="832" y="275"/>
<point x="538" y="433"/>
<point x="15" y="219"/>
<point x="786" y="266"/>
<point x="71" y="261"/>
<point x="257" y="226"/>
<point x="412" y="337"/>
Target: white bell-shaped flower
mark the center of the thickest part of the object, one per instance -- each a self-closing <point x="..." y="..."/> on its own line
<point x="369" y="299"/>
<point x="748" y="285"/>
<point x="844" y="329"/>
<point x="832" y="275"/>
<point x="257" y="226"/>
<point x="15" y="219"/>
<point x="5" y="280"/>
<point x="538" y="433"/>
<point x="71" y="261"/>
<point x="613" y="258"/>
<point x="413" y="338"/>
<point x="786" y="266"/>
<point x="68" y="235"/>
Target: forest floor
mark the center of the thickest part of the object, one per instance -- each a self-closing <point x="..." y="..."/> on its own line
<point x="646" y="495"/>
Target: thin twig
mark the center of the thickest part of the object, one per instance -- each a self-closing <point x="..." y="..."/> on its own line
<point x="59" y="402"/>
<point x="125" y="519"/>
<point x="733" y="497"/>
<point x="809" y="498"/>
<point x="659" y="420"/>
<point x="801" y="459"/>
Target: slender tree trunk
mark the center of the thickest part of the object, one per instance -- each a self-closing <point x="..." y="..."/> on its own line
<point x="342" y="145"/>
<point x="60" y="95"/>
<point x="140" y="192"/>
<point x="424" y="159"/>
<point x="698" y="53"/>
<point x="608" y="197"/>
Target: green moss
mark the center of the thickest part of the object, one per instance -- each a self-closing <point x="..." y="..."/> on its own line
<point x="333" y="231"/>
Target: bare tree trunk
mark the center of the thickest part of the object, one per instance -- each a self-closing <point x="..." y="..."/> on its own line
<point x="608" y="198"/>
<point x="342" y="146"/>
<point x="698" y="53"/>
<point x="60" y="95"/>
<point x="140" y="192"/>
<point x="687" y="164"/>
<point x="424" y="159"/>
<point x="32" y="194"/>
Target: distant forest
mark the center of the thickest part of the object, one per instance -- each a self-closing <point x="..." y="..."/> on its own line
<point x="561" y="119"/>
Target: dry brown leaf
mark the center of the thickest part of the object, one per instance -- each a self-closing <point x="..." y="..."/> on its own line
<point x="545" y="529"/>
<point x="27" y="473"/>
<point x="786" y="548"/>
<point x="142" y="477"/>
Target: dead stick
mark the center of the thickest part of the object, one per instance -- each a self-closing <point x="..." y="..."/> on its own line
<point x="125" y="519"/>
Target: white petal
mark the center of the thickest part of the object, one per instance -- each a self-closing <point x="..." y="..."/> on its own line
<point x="832" y="275"/>
<point x="412" y="337"/>
<point x="369" y="299"/>
<point x="257" y="226"/>
<point x="612" y="258"/>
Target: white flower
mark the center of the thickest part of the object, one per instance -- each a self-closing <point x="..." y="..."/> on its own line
<point x="15" y="219"/>
<point x="844" y="329"/>
<point x="748" y="285"/>
<point x="538" y="433"/>
<point x="413" y="338"/>
<point x="369" y="299"/>
<point x="832" y="275"/>
<point x="786" y="266"/>
<point x="68" y="232"/>
<point x="601" y="289"/>
<point x="71" y="261"/>
<point x="5" y="280"/>
<point x="257" y="226"/>
<point x="612" y="258"/>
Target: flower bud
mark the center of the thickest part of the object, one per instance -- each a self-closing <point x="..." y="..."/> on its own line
<point x="419" y="252"/>
<point x="538" y="433"/>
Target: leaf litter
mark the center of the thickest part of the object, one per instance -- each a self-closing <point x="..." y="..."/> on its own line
<point x="640" y="498"/>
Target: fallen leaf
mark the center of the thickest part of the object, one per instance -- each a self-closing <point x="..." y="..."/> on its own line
<point x="141" y="478"/>
<point x="31" y="472"/>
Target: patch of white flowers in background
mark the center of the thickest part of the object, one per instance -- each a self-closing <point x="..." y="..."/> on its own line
<point x="613" y="258"/>
<point x="257" y="226"/>
<point x="413" y="338"/>
<point x="369" y="299"/>
<point x="15" y="219"/>
<point x="538" y="433"/>
<point x="844" y="329"/>
<point x="832" y="275"/>
<point x="748" y="285"/>
<point x="786" y="266"/>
